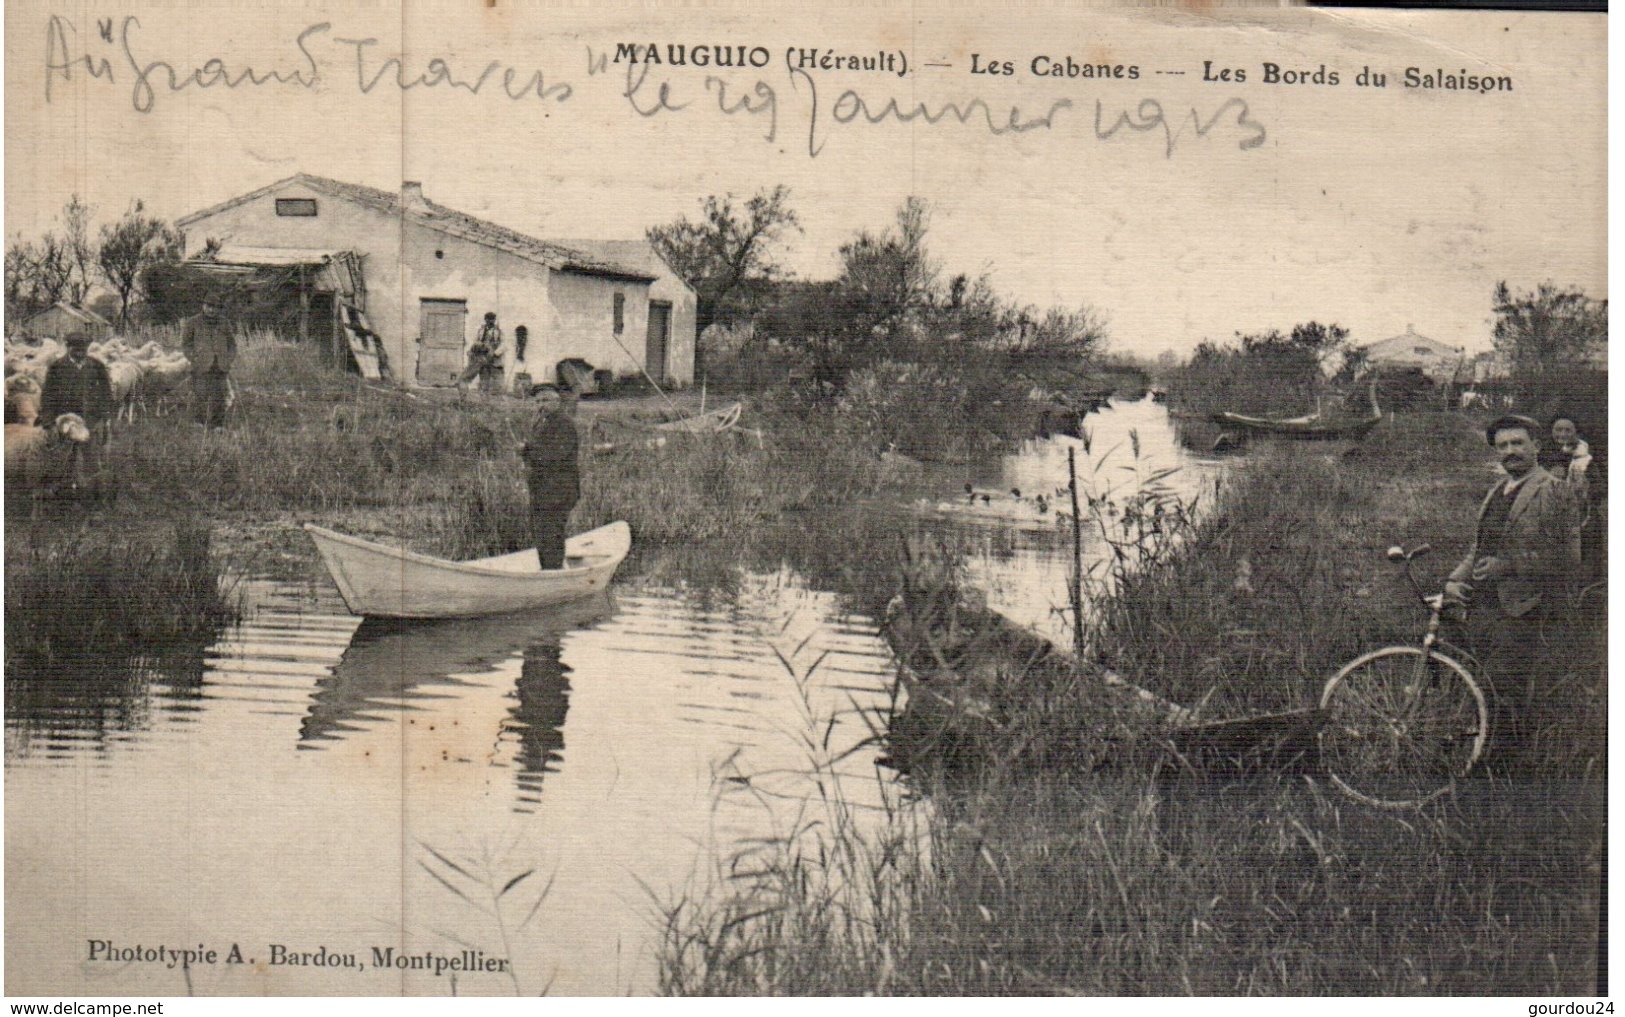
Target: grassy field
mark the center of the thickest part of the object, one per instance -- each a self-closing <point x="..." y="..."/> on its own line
<point x="1058" y="878"/>
<point x="443" y="474"/>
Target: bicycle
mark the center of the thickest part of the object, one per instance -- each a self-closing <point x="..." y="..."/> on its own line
<point x="1401" y="724"/>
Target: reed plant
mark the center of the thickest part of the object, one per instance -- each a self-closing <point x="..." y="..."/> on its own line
<point x="1139" y="879"/>
<point x="82" y="597"/>
<point x="812" y="906"/>
<point x="1037" y="882"/>
<point x="444" y="476"/>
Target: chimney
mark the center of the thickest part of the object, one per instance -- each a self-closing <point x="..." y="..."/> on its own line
<point x="412" y="196"/>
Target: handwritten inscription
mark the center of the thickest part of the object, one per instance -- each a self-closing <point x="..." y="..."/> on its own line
<point x="62" y="59"/>
<point x="150" y="78"/>
<point x="659" y="80"/>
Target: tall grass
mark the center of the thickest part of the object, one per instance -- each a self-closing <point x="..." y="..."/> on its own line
<point x="86" y="597"/>
<point x="1033" y="882"/>
<point x="1051" y="878"/>
<point x="1286" y="579"/>
<point x="444" y="475"/>
<point x="812" y="906"/>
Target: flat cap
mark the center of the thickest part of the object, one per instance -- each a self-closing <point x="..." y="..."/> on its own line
<point x="1511" y="420"/>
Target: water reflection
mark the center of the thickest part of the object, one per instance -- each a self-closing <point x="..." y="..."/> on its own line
<point x="542" y="698"/>
<point x="392" y="666"/>
<point x="93" y="702"/>
<point x="1128" y="445"/>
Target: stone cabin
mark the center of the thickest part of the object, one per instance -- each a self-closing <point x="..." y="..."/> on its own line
<point x="61" y="318"/>
<point x="1440" y="362"/>
<point x="432" y="273"/>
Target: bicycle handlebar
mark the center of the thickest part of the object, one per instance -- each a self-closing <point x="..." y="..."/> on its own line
<point x="1398" y="554"/>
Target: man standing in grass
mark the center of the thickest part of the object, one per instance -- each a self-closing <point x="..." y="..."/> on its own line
<point x="210" y="343"/>
<point x="1524" y="555"/>
<point x="551" y="457"/>
<point x="77" y="383"/>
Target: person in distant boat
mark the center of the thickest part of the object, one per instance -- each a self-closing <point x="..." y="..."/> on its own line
<point x="1524" y="555"/>
<point x="551" y="455"/>
<point x="210" y="344"/>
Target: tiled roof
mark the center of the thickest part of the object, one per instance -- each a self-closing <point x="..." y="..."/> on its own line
<point x="449" y="221"/>
<point x="83" y="314"/>
<point x="638" y="254"/>
<point x="1405" y="346"/>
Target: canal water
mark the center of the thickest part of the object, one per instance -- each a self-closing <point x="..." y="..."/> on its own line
<point x="326" y="796"/>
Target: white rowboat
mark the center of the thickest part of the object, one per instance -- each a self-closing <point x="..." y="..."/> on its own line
<point x="380" y="581"/>
<point x="723" y="418"/>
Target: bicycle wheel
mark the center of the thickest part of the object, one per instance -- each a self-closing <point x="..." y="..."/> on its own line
<point x="1399" y="732"/>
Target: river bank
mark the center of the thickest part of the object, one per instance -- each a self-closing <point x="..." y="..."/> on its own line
<point x="1056" y="875"/>
<point x="588" y="746"/>
<point x="1046" y="878"/>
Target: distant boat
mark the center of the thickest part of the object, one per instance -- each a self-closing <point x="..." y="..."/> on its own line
<point x="380" y="581"/>
<point x="1313" y="427"/>
<point x="723" y="418"/>
<point x="1303" y="428"/>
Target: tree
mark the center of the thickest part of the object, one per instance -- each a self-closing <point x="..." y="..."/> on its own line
<point x="80" y="249"/>
<point x="129" y="247"/>
<point x="1548" y="329"/>
<point x="37" y="274"/>
<point x="732" y="248"/>
<point x="886" y="276"/>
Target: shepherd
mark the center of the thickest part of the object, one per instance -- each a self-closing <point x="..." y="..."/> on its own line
<point x="210" y="345"/>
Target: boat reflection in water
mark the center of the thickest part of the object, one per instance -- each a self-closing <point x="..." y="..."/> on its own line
<point x="395" y="667"/>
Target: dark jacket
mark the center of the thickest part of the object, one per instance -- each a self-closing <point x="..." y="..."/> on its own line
<point x="551" y="454"/>
<point x="210" y="343"/>
<point x="1541" y="543"/>
<point x="83" y="388"/>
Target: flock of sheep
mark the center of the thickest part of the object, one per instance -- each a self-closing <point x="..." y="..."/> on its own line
<point x="143" y="376"/>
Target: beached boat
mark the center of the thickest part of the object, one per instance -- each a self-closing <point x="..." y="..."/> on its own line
<point x="723" y="418"/>
<point x="1313" y="427"/>
<point x="380" y="581"/>
<point x="1306" y="428"/>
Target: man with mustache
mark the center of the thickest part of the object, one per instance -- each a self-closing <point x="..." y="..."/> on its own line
<point x="1524" y="555"/>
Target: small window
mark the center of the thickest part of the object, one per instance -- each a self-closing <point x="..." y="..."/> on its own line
<point x="1422" y="351"/>
<point x="296" y="206"/>
<point x="620" y="312"/>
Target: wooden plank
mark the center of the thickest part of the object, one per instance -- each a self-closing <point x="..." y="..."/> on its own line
<point x="362" y="344"/>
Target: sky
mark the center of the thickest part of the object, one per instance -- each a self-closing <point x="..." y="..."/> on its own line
<point x="1376" y="208"/>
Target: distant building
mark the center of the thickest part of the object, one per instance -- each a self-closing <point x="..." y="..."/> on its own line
<point x="1490" y="366"/>
<point x="673" y="307"/>
<point x="431" y="274"/>
<point x="62" y="318"/>
<point x="1440" y="362"/>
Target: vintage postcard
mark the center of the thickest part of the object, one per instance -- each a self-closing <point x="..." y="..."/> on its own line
<point x="804" y="499"/>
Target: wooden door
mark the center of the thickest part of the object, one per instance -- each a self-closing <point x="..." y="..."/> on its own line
<point x="440" y="350"/>
<point x="659" y="339"/>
